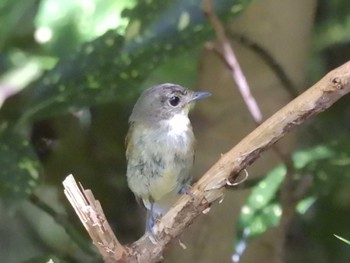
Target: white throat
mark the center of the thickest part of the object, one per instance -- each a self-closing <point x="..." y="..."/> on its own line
<point x="178" y="125"/>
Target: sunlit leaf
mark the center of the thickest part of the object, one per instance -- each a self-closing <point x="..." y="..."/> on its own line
<point x="260" y="211"/>
<point x="266" y="189"/>
<point x="342" y="239"/>
<point x="333" y="172"/>
<point x="304" y="157"/>
<point x="91" y="17"/>
<point x="305" y="204"/>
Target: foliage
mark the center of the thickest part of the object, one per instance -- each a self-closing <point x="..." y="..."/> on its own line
<point x="108" y="68"/>
<point x="329" y="167"/>
<point x="20" y="167"/>
<point x="334" y="23"/>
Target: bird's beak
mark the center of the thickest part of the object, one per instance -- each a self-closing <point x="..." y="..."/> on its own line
<point x="199" y="95"/>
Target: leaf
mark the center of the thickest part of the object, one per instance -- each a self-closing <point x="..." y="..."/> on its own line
<point x="342" y="239"/>
<point x="61" y="26"/>
<point x="304" y="205"/>
<point x="112" y="67"/>
<point x="260" y="203"/>
<point x="332" y="172"/>
<point x="260" y="212"/>
<point x="266" y="189"/>
<point x="305" y="157"/>
<point x="19" y="166"/>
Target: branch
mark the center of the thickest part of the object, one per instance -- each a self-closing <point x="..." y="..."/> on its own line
<point x="211" y="186"/>
<point x="226" y="53"/>
<point x="91" y="215"/>
<point x="269" y="60"/>
<point x="228" y="56"/>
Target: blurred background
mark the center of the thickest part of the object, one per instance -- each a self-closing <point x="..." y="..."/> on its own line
<point x="70" y="73"/>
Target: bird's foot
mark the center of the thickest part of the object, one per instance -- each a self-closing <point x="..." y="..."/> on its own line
<point x="186" y="190"/>
<point x="152" y="219"/>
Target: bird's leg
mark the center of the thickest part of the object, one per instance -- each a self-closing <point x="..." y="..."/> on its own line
<point x="150" y="221"/>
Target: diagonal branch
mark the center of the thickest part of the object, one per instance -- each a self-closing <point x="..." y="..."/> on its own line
<point x="228" y="56"/>
<point x="210" y="187"/>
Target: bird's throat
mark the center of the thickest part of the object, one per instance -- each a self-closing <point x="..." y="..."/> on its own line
<point x="178" y="125"/>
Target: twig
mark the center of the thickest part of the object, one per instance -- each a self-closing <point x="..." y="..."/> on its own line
<point x="277" y="69"/>
<point x="226" y="52"/>
<point x="210" y="187"/>
<point x="91" y="215"/>
<point x="270" y="61"/>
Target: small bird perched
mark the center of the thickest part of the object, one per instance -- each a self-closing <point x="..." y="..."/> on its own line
<point x="160" y="147"/>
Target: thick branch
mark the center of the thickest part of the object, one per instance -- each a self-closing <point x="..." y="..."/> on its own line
<point x="211" y="186"/>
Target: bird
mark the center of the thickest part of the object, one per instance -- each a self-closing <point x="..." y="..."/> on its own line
<point x="160" y="148"/>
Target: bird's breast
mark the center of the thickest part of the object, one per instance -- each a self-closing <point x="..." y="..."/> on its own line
<point x="160" y="158"/>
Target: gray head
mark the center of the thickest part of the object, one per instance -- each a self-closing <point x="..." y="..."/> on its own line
<point x="164" y="101"/>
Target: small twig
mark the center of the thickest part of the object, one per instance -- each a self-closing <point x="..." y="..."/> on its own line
<point x="226" y="52"/>
<point x="277" y="69"/>
<point x="91" y="215"/>
<point x="270" y="61"/>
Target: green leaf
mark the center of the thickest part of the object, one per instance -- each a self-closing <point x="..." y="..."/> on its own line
<point x="305" y="204"/>
<point x="266" y="189"/>
<point x="260" y="212"/>
<point x="305" y="157"/>
<point x="19" y="165"/>
<point x="90" y="18"/>
<point x="333" y="26"/>
<point x="342" y="239"/>
<point x="112" y="67"/>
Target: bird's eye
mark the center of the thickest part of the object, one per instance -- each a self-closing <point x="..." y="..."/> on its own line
<point x="174" y="101"/>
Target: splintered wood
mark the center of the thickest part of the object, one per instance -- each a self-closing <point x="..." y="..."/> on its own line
<point x="90" y="213"/>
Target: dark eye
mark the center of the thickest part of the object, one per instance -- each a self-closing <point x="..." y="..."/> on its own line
<point x="174" y="101"/>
